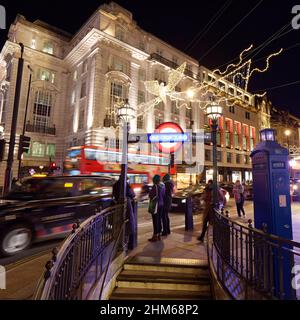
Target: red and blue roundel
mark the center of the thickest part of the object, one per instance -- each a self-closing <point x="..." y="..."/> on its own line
<point x="168" y="137"/>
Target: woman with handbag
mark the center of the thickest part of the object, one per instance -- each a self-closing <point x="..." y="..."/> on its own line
<point x="156" y="205"/>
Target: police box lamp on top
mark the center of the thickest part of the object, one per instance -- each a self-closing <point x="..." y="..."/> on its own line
<point x="267" y="135"/>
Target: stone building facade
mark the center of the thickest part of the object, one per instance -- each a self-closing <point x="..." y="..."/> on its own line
<point x="77" y="80"/>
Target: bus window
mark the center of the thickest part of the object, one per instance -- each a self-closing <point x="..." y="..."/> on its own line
<point x="74" y="153"/>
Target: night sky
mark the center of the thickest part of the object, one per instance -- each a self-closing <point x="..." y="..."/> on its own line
<point x="179" y="22"/>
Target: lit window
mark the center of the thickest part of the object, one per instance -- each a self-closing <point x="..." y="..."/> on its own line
<point x="48" y="47"/>
<point x="50" y="151"/>
<point x="42" y="110"/>
<point x="46" y="75"/>
<point x="38" y="149"/>
<point x="33" y="44"/>
<point x="120" y="34"/>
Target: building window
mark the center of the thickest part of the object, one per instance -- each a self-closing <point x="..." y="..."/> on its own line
<point x="246" y="159"/>
<point x="120" y="33"/>
<point x="189" y="113"/>
<point x="174" y="108"/>
<point x="84" y="66"/>
<point x="247" y="115"/>
<point x="219" y="156"/>
<point x="142" y="74"/>
<point x="117" y="93"/>
<point x="83" y="90"/>
<point x="159" y="76"/>
<point x="159" y="52"/>
<point x="48" y="48"/>
<point x="50" y="150"/>
<point x="231" y="91"/>
<point x="141" y="97"/>
<point x="140" y="122"/>
<point x="33" y="44"/>
<point x="231" y="109"/>
<point x="81" y="118"/>
<point x="160" y="106"/>
<point x="207" y="155"/>
<point x="46" y="75"/>
<point x="229" y="157"/>
<point x="238" y="158"/>
<point x="119" y="65"/>
<point x="42" y="109"/>
<point x="38" y="149"/>
<point x="159" y="119"/>
<point x="142" y="46"/>
<point x="175" y="60"/>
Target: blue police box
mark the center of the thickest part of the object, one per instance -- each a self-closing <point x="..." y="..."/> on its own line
<point x="271" y="199"/>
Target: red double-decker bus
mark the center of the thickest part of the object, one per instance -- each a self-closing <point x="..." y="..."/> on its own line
<point x="107" y="162"/>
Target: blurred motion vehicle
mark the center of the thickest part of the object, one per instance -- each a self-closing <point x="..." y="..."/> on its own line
<point x="93" y="160"/>
<point x="44" y="208"/>
<point x="295" y="189"/>
<point x="196" y="193"/>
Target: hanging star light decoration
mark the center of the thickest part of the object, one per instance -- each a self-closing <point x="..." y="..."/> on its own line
<point x="205" y="91"/>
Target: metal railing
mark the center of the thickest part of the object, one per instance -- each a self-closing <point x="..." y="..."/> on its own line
<point x="40" y="129"/>
<point x="84" y="257"/>
<point x="155" y="56"/>
<point x="250" y="263"/>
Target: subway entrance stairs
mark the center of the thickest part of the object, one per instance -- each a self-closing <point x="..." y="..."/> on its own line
<point x="161" y="278"/>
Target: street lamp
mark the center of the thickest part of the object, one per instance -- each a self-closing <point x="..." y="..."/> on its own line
<point x="214" y="112"/>
<point x="125" y="113"/>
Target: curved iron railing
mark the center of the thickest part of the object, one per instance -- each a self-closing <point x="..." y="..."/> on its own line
<point x="250" y="263"/>
<point x="84" y="257"/>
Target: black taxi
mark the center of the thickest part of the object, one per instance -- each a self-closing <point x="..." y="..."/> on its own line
<point x="45" y="208"/>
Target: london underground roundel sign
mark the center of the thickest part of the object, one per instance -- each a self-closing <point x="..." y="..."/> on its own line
<point x="168" y="137"/>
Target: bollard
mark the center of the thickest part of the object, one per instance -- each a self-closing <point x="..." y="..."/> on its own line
<point x="133" y="226"/>
<point x="189" y="223"/>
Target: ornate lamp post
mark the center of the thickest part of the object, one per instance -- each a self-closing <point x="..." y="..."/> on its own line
<point x="214" y="112"/>
<point x="125" y="113"/>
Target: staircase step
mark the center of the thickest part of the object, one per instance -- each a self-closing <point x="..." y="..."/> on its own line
<point x="150" y="294"/>
<point x="191" y="266"/>
<point x="202" y="277"/>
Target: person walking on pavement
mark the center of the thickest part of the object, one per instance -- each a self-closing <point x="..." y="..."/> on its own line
<point x="169" y="187"/>
<point x="238" y="192"/>
<point x="156" y="205"/>
<point x="208" y="207"/>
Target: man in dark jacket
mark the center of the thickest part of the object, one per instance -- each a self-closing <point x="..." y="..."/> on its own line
<point x="169" y="186"/>
<point x="157" y="193"/>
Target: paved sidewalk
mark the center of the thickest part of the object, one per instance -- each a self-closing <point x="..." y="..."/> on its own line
<point x="179" y="244"/>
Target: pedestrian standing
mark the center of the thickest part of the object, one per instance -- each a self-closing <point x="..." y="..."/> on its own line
<point x="238" y="192"/>
<point x="156" y="205"/>
<point x="209" y="206"/>
<point x="169" y="189"/>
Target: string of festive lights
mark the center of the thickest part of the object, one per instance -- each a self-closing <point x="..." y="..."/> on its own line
<point x="205" y="92"/>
